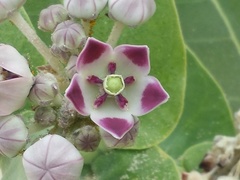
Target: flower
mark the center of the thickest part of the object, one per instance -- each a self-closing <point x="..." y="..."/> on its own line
<point x="131" y="12"/>
<point x="112" y="86"/>
<point x="15" y="80"/>
<point x="13" y="135"/>
<point x="52" y="157"/>
<point x="87" y="10"/>
<point x="8" y="7"/>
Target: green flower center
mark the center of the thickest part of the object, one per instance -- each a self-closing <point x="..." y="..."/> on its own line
<point x="113" y="84"/>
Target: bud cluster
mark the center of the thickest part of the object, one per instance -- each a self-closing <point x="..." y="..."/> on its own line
<point x="70" y="24"/>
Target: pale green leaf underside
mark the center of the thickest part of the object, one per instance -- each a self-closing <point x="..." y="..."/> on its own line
<point x="211" y="30"/>
<point x="206" y="111"/>
<point x="150" y="164"/>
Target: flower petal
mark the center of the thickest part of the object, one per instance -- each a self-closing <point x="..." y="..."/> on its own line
<point x="112" y="119"/>
<point x="13" y="94"/>
<point x="127" y="140"/>
<point x="52" y="157"/>
<point x="82" y="94"/>
<point x="144" y="95"/>
<point x="132" y="60"/>
<point x="94" y="58"/>
<point x="11" y="60"/>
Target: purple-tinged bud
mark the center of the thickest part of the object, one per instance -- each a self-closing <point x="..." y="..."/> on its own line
<point x="127" y="140"/>
<point x="71" y="66"/>
<point x="16" y="80"/>
<point x="7" y="7"/>
<point x="86" y="138"/>
<point x="50" y="17"/>
<point x="67" y="114"/>
<point x="45" y="116"/>
<point x="52" y="157"/>
<point x="56" y="51"/>
<point x="13" y="135"/>
<point x="131" y="12"/>
<point x="44" y="90"/>
<point x="84" y="9"/>
<point x="68" y="36"/>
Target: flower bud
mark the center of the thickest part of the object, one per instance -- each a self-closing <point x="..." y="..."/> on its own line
<point x="45" y="116"/>
<point x="67" y="114"/>
<point x="56" y="51"/>
<point x="87" y="138"/>
<point x="127" y="140"/>
<point x="15" y="79"/>
<point x="68" y="36"/>
<point x="7" y="7"/>
<point x="13" y="135"/>
<point x="131" y="12"/>
<point x="71" y="66"/>
<point x="83" y="9"/>
<point x="52" y="157"/>
<point x="50" y="17"/>
<point x="44" y="90"/>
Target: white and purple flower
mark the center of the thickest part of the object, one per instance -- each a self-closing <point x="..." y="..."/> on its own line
<point x="112" y="86"/>
<point x="16" y="80"/>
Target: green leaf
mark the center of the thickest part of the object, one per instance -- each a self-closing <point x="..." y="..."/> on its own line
<point x="193" y="156"/>
<point x="206" y="111"/>
<point x="150" y="164"/>
<point x="211" y="30"/>
<point x="12" y="168"/>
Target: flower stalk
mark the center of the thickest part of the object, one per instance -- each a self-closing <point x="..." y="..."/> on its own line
<point x="115" y="33"/>
<point x="32" y="37"/>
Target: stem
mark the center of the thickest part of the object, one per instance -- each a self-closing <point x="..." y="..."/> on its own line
<point x="17" y="19"/>
<point x="86" y="26"/>
<point x="115" y="33"/>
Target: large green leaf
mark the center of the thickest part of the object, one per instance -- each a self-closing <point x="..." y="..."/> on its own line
<point x="150" y="164"/>
<point x="211" y="30"/>
<point x="206" y="111"/>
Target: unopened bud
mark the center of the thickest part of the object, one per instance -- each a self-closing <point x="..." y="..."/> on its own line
<point x="131" y="12"/>
<point x="87" y="138"/>
<point x="56" y="51"/>
<point x="7" y="7"/>
<point x="83" y="9"/>
<point x="45" y="116"/>
<point x="67" y="114"/>
<point x="13" y="135"/>
<point x="50" y="17"/>
<point x="68" y="36"/>
<point x="44" y="90"/>
<point x="52" y="157"/>
<point x="127" y="140"/>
